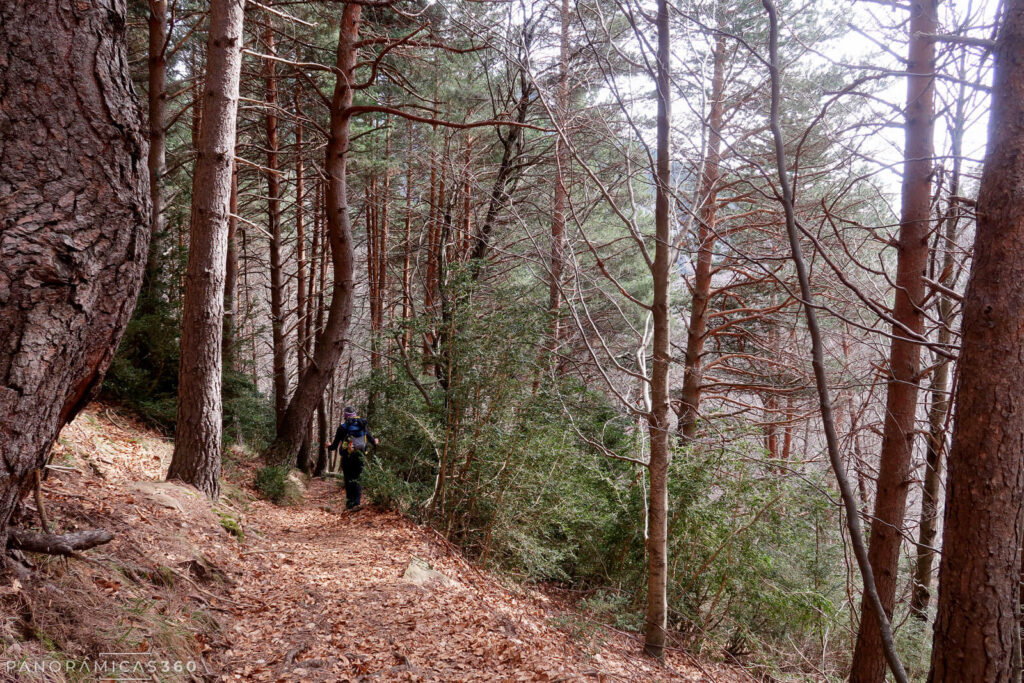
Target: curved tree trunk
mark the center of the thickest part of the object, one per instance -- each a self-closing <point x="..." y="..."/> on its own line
<point x="75" y="212"/>
<point x="976" y="630"/>
<point x="197" y="439"/>
<point x="330" y="342"/>
<point x="901" y="401"/>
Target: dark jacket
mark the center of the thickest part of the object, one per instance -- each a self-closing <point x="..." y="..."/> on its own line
<point x="350" y="429"/>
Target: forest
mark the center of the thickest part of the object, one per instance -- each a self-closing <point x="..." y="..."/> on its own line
<point x="704" y="314"/>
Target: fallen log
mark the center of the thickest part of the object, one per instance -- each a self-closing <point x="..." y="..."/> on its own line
<point x="57" y="544"/>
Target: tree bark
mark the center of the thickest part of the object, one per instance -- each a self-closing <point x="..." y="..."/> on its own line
<point x="898" y="430"/>
<point x="976" y="630"/>
<point x="657" y="542"/>
<point x="277" y="321"/>
<point x="197" y="441"/>
<point x="330" y="342"/>
<point x="74" y="219"/>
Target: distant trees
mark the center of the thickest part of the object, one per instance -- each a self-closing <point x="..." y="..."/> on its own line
<point x="75" y="212"/>
<point x="157" y="160"/>
<point x="197" y="442"/>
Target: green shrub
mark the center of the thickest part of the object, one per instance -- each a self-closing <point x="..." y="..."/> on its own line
<point x="389" y="490"/>
<point x="272" y="482"/>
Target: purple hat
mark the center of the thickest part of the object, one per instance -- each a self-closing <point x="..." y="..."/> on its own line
<point x="350" y="411"/>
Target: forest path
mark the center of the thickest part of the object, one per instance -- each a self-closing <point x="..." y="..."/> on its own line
<point x="323" y="598"/>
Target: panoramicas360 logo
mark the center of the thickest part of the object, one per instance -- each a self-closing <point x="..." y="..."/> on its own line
<point x="124" y="666"/>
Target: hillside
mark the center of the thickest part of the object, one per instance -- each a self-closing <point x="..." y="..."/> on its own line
<point x="247" y="590"/>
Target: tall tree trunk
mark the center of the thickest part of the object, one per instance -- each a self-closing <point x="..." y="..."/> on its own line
<point x="700" y="292"/>
<point x="330" y="342"/>
<point x="247" y="291"/>
<point x="277" y="321"/>
<point x="231" y="278"/>
<point x="976" y="630"/>
<point x="74" y="219"/>
<point x="898" y="430"/>
<point x="939" y="390"/>
<point x="430" y="285"/>
<point x="466" y="224"/>
<point x="373" y="270"/>
<point x="384" y="230"/>
<point x="300" y="239"/>
<point x="657" y="541"/>
<point x="197" y="441"/>
<point x="301" y="342"/>
<point x="322" y="414"/>
<point x="407" y="248"/>
<point x="558" y="202"/>
<point x="156" y="162"/>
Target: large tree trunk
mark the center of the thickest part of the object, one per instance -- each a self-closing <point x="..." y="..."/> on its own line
<point x="657" y="541"/>
<point x="898" y="431"/>
<point x="74" y="206"/>
<point x="976" y="630"/>
<point x="330" y="343"/>
<point x="700" y="291"/>
<point x="197" y="441"/>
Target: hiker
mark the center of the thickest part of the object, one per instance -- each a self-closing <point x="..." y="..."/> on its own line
<point x="353" y="435"/>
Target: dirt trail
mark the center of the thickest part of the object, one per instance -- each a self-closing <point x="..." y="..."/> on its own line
<point x="326" y="601"/>
<point x="245" y="590"/>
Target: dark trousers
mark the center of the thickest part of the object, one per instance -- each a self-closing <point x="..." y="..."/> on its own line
<point x="351" y="468"/>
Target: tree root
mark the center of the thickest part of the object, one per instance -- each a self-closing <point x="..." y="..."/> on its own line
<point x="66" y="545"/>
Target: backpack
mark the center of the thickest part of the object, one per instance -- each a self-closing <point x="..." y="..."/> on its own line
<point x="356" y="430"/>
